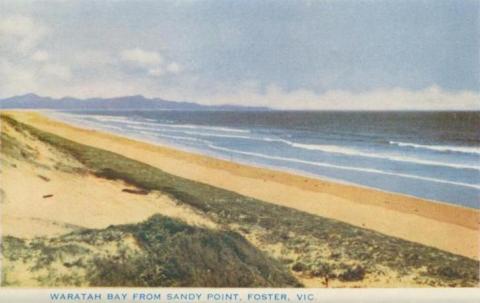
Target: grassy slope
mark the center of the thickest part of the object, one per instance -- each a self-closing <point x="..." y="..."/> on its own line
<point x="158" y="252"/>
<point x="320" y="246"/>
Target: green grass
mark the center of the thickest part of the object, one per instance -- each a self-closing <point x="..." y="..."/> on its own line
<point x="169" y="253"/>
<point x="13" y="148"/>
<point x="324" y="246"/>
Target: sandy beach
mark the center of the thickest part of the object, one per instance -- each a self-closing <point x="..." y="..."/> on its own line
<point x="444" y="226"/>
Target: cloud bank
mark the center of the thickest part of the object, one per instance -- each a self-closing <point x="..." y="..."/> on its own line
<point x="431" y="98"/>
<point x="28" y="65"/>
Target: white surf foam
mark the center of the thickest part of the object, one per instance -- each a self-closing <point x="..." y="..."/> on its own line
<point x="195" y="133"/>
<point x="350" y="168"/>
<point x="334" y="149"/>
<point x="357" y="153"/>
<point x="155" y="124"/>
<point x="189" y="129"/>
<point x="442" y="148"/>
<point x="194" y="126"/>
<point x="155" y="135"/>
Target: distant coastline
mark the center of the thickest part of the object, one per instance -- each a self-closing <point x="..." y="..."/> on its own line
<point x="135" y="102"/>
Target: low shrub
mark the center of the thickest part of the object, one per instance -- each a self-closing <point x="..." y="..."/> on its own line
<point x="356" y="273"/>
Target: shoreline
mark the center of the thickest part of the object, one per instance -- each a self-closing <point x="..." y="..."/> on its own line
<point x="253" y="164"/>
<point x="219" y="157"/>
<point x="446" y="226"/>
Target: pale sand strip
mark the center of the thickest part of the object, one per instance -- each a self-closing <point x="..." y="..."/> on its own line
<point x="447" y="227"/>
<point x="76" y="200"/>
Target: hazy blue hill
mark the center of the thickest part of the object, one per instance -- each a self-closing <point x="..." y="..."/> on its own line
<point x="136" y="102"/>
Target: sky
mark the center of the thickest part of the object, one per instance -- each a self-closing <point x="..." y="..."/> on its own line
<point x="298" y="54"/>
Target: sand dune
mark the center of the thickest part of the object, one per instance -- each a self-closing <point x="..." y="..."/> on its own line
<point x="39" y="200"/>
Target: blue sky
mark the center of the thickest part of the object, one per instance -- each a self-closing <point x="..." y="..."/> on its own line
<point x="286" y="54"/>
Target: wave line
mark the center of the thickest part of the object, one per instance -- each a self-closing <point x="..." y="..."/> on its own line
<point x="350" y="168"/>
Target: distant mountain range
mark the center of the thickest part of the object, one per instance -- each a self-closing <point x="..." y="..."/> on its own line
<point x="137" y="102"/>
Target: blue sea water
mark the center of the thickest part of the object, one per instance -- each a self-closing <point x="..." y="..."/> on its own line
<point x="432" y="155"/>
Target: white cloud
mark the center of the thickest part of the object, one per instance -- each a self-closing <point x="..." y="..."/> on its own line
<point x="141" y="57"/>
<point x="20" y="33"/>
<point x="56" y="70"/>
<point x="152" y="62"/>
<point x="157" y="72"/>
<point x="93" y="58"/>
<point x="85" y="89"/>
<point x="174" y="68"/>
<point x="40" y="56"/>
<point x="24" y="67"/>
<point x="171" y="68"/>
<point x="431" y="98"/>
<point x="16" y="79"/>
<point x="19" y="37"/>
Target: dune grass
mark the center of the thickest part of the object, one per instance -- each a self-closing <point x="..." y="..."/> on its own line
<point x="158" y="252"/>
<point x="311" y="245"/>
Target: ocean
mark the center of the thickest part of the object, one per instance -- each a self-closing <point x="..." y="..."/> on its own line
<point x="432" y="155"/>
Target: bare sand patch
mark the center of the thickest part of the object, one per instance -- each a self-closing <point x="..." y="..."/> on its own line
<point x="38" y="199"/>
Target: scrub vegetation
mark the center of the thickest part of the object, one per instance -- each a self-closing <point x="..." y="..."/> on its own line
<point x="158" y="252"/>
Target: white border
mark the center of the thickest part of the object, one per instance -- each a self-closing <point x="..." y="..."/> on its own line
<point x="437" y="295"/>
